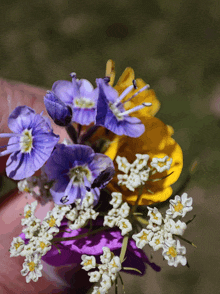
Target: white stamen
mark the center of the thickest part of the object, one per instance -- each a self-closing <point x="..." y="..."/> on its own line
<point x="138" y="92"/>
<point x="136" y="108"/>
<point x="124" y="93"/>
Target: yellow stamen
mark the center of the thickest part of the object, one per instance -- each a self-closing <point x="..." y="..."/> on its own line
<point x="178" y="207"/>
<point x="32" y="266"/>
<point x="172" y="252"/>
<point x="28" y="214"/>
<point x="51" y="221"/>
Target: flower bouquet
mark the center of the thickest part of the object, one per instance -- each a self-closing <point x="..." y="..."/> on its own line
<point x="106" y="180"/>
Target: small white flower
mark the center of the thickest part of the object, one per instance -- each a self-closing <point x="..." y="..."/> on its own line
<point x="29" y="210"/>
<point x="25" y="186"/>
<point x="60" y="210"/>
<point x="153" y="227"/>
<point x="114" y="265"/>
<point x="177" y="228"/>
<point x="88" y="200"/>
<point x="116" y="199"/>
<point x="106" y="256"/>
<point x="155" y="215"/>
<point x="124" y="225"/>
<point x="106" y="282"/>
<point x="94" y="276"/>
<point x="157" y="241"/>
<point x="51" y="220"/>
<point x="29" y="249"/>
<point x="88" y="262"/>
<point x="103" y="268"/>
<point x="179" y="206"/>
<point x="114" y="212"/>
<point x="173" y="252"/>
<point x="123" y="164"/>
<point x="122" y="179"/>
<point x="110" y="221"/>
<point x="124" y="210"/>
<point x="17" y="245"/>
<point x="140" y="162"/>
<point x="161" y="164"/>
<point x="42" y="245"/>
<point x="133" y="181"/>
<point x="32" y="268"/>
<point x="47" y="233"/>
<point x="143" y="238"/>
<point x="33" y="226"/>
<point x="72" y="214"/>
<point x="144" y="175"/>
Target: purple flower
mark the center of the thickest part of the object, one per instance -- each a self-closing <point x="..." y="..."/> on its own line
<point x="57" y="109"/>
<point x="31" y="143"/>
<point x="80" y="96"/>
<point x="77" y="169"/>
<point x="111" y="113"/>
<point x="72" y="250"/>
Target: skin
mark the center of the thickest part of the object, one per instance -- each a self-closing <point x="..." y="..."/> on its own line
<point x="65" y="279"/>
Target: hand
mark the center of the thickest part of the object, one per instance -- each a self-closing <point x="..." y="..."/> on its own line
<point x="54" y="279"/>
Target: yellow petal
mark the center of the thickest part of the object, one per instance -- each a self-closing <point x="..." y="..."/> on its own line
<point x="110" y="71"/>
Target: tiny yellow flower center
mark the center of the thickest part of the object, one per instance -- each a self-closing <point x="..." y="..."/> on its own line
<point x="26" y="189"/>
<point x="144" y="236"/>
<point x="154" y="216"/>
<point x="124" y="225"/>
<point x="157" y="242"/>
<point x="32" y="266"/>
<point x="178" y="207"/>
<point x="28" y="214"/>
<point x="88" y="262"/>
<point x="172" y="252"/>
<point x="78" y="173"/>
<point x="17" y="245"/>
<point x="161" y="164"/>
<point x="83" y="103"/>
<point x="141" y="161"/>
<point x="51" y="222"/>
<point x="26" y="141"/>
<point x="42" y="245"/>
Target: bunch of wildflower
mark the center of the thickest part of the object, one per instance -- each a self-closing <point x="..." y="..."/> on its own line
<point x="118" y="215"/>
<point x="138" y="173"/>
<point x="74" y="173"/>
<point x="107" y="270"/>
<point x="161" y="232"/>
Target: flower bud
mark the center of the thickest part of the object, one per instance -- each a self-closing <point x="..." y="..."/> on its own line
<point x="57" y="109"/>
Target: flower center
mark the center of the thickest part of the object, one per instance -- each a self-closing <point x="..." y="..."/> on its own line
<point x="78" y="173"/>
<point x="28" y="214"/>
<point x="32" y="266"/>
<point x="172" y="252"/>
<point x="83" y="103"/>
<point x="115" y="111"/>
<point x="51" y="222"/>
<point x="178" y="207"/>
<point x="17" y="245"/>
<point x="26" y="141"/>
<point x="42" y="245"/>
<point x="144" y="236"/>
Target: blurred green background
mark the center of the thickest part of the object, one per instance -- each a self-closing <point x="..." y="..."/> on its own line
<point x="174" y="46"/>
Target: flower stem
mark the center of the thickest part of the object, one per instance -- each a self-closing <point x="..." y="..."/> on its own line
<point x="123" y="248"/>
<point x="72" y="133"/>
<point x="55" y="240"/>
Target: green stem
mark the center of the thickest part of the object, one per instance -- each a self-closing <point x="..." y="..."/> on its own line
<point x="123" y="248"/>
<point x="72" y="133"/>
<point x="55" y="240"/>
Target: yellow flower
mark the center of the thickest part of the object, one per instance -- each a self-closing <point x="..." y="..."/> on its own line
<point x="156" y="142"/>
<point x="125" y="80"/>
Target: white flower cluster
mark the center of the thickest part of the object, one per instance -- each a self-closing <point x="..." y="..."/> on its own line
<point x="159" y="231"/>
<point x="37" y="186"/>
<point x="138" y="172"/>
<point x="106" y="273"/>
<point x="117" y="216"/>
<point x="80" y="214"/>
<point x="39" y="237"/>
